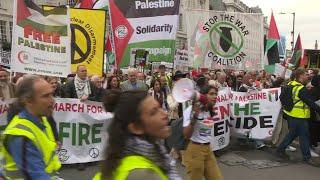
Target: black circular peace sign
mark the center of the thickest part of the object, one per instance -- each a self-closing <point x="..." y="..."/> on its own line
<point x="94" y="152"/>
<point x="75" y="48"/>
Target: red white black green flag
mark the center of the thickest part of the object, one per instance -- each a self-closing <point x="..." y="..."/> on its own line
<point x="144" y="24"/>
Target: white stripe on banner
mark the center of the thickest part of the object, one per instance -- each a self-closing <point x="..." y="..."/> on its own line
<point x="50" y="20"/>
<point x="144" y="28"/>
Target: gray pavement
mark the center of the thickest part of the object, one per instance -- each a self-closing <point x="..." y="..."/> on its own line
<point x="245" y="170"/>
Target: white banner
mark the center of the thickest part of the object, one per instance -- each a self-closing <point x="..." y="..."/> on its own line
<point x="82" y="129"/>
<point x="40" y="40"/>
<point x="220" y="132"/>
<point x="181" y="61"/>
<point x="255" y="114"/>
<point x="244" y="115"/>
<point x="279" y="69"/>
<point x="225" y="40"/>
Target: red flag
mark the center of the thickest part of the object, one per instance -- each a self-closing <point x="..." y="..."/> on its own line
<point x="297" y="53"/>
<point x="86" y="4"/>
<point x="108" y="45"/>
<point x="24" y="12"/>
<point x="273" y="29"/>
<point x="304" y="60"/>
<point x="122" y="31"/>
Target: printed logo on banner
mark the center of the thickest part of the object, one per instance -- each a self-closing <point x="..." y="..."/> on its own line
<point x="221" y="141"/>
<point x="63" y="155"/>
<point x="228" y="48"/>
<point x="273" y="95"/>
<point x="24" y="57"/>
<point x="121" y="32"/>
<point x="78" y="49"/>
<point x="229" y="33"/>
<point x="94" y="152"/>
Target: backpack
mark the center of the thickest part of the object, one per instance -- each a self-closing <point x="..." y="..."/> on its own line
<point x="286" y="97"/>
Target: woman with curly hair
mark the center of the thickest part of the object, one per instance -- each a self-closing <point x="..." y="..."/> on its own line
<point x="134" y="149"/>
<point x="113" y="82"/>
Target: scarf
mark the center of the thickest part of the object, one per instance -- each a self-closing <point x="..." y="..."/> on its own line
<point x="82" y="87"/>
<point x="139" y="146"/>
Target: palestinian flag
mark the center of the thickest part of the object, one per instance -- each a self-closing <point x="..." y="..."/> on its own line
<point x="150" y="25"/>
<point x="201" y="45"/>
<point x="271" y="43"/>
<point x="53" y="21"/>
<point x="304" y="60"/>
<point x="297" y="53"/>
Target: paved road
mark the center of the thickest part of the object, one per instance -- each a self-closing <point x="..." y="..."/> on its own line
<point x="295" y="170"/>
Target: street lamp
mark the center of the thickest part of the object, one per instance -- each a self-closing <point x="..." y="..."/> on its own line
<point x="292" y="32"/>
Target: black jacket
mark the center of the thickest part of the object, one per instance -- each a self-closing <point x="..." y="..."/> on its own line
<point x="69" y="91"/>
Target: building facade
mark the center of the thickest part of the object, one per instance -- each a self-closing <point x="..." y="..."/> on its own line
<point x="6" y="11"/>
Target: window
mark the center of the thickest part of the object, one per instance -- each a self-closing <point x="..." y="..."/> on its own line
<point x="10" y="28"/>
<point x="3" y="33"/>
<point x="180" y="22"/>
<point x="72" y="2"/>
<point x="202" y="4"/>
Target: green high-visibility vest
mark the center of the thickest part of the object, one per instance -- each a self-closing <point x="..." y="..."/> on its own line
<point x="300" y="109"/>
<point x="43" y="140"/>
<point x="130" y="163"/>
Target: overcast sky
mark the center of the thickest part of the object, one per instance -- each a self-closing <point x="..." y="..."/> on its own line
<point x="307" y="18"/>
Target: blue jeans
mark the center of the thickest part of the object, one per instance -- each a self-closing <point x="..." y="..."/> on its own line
<point x="297" y="128"/>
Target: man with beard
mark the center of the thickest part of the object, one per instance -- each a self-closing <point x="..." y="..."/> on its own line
<point x="29" y="145"/>
<point x="7" y="89"/>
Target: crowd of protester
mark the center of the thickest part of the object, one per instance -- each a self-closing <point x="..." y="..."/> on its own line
<point x="158" y="86"/>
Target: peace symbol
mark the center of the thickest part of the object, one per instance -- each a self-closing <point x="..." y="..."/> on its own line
<point x="76" y="48"/>
<point x="94" y="152"/>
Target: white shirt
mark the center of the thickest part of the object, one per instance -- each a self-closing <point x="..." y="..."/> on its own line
<point x="201" y="132"/>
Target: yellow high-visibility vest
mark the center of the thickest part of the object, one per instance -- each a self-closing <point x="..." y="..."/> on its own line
<point x="300" y="109"/>
<point x="130" y="163"/>
<point x="44" y="141"/>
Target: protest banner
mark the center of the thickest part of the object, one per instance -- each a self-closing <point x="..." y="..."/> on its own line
<point x="150" y="25"/>
<point x="220" y="132"/>
<point x="246" y="115"/>
<point x="4" y="106"/>
<point x="40" y="42"/>
<point x="181" y="61"/>
<point x="251" y="113"/>
<point x="5" y="58"/>
<point x="279" y="69"/>
<point x="87" y="39"/>
<point x="225" y="40"/>
<point x="82" y="126"/>
<point x="82" y="129"/>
